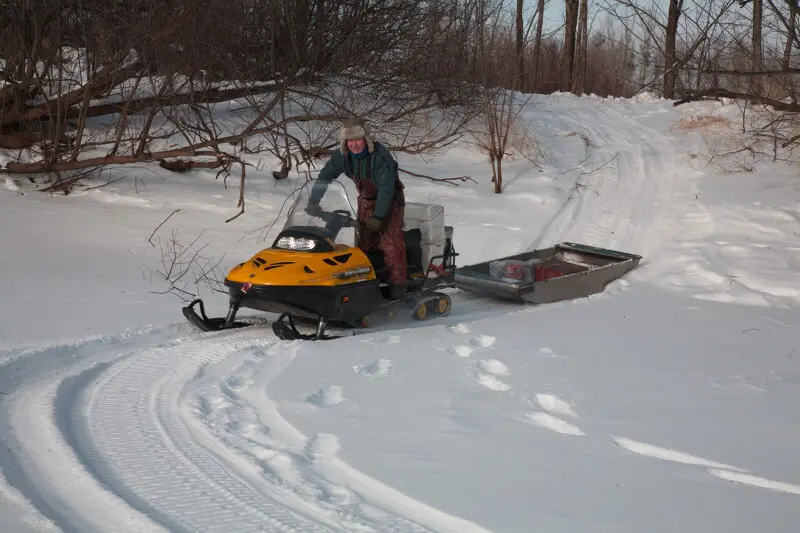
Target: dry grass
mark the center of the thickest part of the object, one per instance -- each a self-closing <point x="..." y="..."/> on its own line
<point x="740" y="146"/>
<point x="703" y="123"/>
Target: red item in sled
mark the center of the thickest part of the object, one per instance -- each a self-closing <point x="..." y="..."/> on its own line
<point x="541" y="273"/>
<point x="510" y="270"/>
<point x="514" y="271"/>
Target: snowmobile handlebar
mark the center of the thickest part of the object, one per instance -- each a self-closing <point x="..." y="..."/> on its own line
<point x="334" y="220"/>
<point x="342" y="216"/>
<point x="337" y="220"/>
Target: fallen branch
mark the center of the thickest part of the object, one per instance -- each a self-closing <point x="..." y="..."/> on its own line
<point x="104" y="184"/>
<point x="746" y="73"/>
<point x="112" y="75"/>
<point x="147" y="157"/>
<point x="445" y="180"/>
<point x="777" y="105"/>
<point x="150" y="239"/>
<point x="241" y="193"/>
<point x="601" y="167"/>
<point x="184" y="165"/>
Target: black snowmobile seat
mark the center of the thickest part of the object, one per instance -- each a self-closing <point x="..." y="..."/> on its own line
<point x="413" y="240"/>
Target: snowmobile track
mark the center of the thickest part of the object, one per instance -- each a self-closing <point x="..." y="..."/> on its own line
<point x="616" y="186"/>
<point x="184" y="488"/>
<point x="128" y="422"/>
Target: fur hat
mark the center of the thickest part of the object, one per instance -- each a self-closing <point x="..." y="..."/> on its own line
<point x="355" y="128"/>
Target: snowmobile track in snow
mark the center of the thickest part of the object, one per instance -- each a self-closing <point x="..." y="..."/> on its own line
<point x="126" y="427"/>
<point x="130" y="432"/>
<point x="616" y="185"/>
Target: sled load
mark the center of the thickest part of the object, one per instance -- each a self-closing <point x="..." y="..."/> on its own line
<point x="315" y="271"/>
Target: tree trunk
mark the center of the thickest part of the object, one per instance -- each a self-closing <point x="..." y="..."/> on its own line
<point x="498" y="176"/>
<point x="537" y="43"/>
<point x="579" y="74"/>
<point x="570" y="33"/>
<point x="791" y="33"/>
<point x="756" y="82"/>
<point x="675" y="8"/>
<point x="520" y="46"/>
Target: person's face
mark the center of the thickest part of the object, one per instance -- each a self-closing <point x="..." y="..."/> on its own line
<point x="356" y="145"/>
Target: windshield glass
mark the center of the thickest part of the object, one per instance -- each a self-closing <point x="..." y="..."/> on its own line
<point x="336" y="211"/>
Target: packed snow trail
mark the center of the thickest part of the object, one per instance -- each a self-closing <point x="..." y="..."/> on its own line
<point x="38" y="437"/>
<point x="627" y="177"/>
<point x="134" y="439"/>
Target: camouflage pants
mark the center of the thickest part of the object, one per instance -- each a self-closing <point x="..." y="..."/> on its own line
<point x="390" y="240"/>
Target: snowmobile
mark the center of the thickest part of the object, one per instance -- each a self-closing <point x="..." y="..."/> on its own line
<point x="315" y="271"/>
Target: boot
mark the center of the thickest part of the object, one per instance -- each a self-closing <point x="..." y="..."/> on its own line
<point x="397" y="292"/>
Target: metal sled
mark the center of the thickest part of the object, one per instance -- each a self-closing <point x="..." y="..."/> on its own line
<point x="562" y="272"/>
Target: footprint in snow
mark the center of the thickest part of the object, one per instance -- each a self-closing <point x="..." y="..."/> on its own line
<point x="484" y="341"/>
<point x="379" y="368"/>
<point x="553" y="423"/>
<point x="492" y="383"/>
<point x="322" y="446"/>
<point x="283" y="467"/>
<point x="459" y="328"/>
<point x="207" y="405"/>
<point x="461" y="350"/>
<point x="329" y="395"/>
<point x="554" y="404"/>
<point x="336" y="494"/>
<point x="493" y="366"/>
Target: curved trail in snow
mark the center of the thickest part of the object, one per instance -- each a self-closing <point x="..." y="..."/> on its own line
<point x="181" y="436"/>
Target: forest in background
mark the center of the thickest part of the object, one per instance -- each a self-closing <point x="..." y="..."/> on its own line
<point x="89" y="83"/>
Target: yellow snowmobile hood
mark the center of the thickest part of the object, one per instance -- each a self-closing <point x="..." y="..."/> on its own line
<point x="277" y="267"/>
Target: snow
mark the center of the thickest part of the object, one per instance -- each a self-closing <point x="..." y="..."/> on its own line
<point x="668" y="402"/>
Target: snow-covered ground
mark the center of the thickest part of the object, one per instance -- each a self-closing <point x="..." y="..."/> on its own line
<point x="667" y="403"/>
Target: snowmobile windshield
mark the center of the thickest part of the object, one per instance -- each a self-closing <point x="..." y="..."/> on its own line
<point x="334" y="218"/>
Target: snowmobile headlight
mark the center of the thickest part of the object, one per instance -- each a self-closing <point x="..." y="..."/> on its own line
<point x="295" y="243"/>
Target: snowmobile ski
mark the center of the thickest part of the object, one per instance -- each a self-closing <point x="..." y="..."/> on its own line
<point x="204" y="323"/>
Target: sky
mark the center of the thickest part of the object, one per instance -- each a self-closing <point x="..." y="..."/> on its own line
<point x="554" y="12"/>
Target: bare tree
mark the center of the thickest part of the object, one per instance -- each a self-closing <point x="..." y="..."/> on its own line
<point x="791" y="35"/>
<point x="758" y="58"/>
<point x="87" y="84"/>
<point x="537" y="43"/>
<point x="579" y="73"/>
<point x="499" y="130"/>
<point x="520" y="59"/>
<point x="570" y="36"/>
<point x="675" y="9"/>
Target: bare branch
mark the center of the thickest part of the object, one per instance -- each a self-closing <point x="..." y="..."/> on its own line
<point x="444" y="180"/>
<point x="150" y="239"/>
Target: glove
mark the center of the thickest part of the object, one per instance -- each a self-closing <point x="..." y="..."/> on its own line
<point x="373" y="224"/>
<point x="313" y="209"/>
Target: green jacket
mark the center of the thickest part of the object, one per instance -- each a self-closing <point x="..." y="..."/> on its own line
<point x="379" y="167"/>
